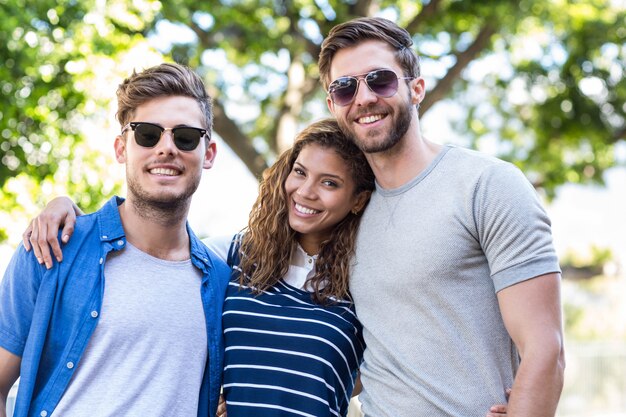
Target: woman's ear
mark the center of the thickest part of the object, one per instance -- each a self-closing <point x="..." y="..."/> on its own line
<point x="361" y="201"/>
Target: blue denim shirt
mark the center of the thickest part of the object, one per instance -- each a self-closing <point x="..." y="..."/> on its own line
<point x="48" y="316"/>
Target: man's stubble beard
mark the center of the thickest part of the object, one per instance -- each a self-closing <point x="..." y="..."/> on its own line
<point x="163" y="208"/>
<point x="398" y="129"/>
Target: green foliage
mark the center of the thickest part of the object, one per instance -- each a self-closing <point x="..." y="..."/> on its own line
<point x="38" y="126"/>
<point x="539" y="83"/>
<point x="51" y="51"/>
<point x="558" y="102"/>
<point x="551" y="96"/>
<point x="596" y="258"/>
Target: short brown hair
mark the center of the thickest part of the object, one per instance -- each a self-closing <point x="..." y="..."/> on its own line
<point x="162" y="81"/>
<point x="358" y="30"/>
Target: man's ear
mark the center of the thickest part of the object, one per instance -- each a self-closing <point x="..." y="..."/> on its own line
<point x="120" y="149"/>
<point x="331" y="105"/>
<point x="418" y="90"/>
<point x="209" y="155"/>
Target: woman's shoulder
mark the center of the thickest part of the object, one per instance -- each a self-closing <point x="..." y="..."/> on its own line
<point x="219" y="245"/>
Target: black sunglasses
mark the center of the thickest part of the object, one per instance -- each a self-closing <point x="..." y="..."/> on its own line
<point x="382" y="82"/>
<point x="148" y="135"/>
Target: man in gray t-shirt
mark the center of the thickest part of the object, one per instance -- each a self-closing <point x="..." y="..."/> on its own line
<point x="455" y="276"/>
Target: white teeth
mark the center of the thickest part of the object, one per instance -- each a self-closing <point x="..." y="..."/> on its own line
<point x="370" y="119"/>
<point x="305" y="210"/>
<point x="163" y="171"/>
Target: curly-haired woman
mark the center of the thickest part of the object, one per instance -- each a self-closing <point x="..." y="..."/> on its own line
<point x="293" y="342"/>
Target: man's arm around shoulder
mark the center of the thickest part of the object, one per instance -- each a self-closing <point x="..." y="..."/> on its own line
<point x="531" y="311"/>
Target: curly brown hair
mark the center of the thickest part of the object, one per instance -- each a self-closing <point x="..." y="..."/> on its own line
<point x="268" y="241"/>
<point x="357" y="30"/>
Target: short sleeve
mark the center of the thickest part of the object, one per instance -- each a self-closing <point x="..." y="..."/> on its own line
<point x="514" y="229"/>
<point x="18" y="294"/>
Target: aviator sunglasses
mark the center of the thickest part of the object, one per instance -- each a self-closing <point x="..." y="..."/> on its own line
<point x="148" y="135"/>
<point x="382" y="82"/>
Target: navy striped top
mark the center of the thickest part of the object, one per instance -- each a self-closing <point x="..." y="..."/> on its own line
<point x="286" y="355"/>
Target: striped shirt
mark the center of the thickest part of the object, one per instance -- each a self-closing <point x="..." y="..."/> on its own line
<point x="287" y="355"/>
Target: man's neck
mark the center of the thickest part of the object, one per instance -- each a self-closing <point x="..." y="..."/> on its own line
<point x="405" y="161"/>
<point x="158" y="231"/>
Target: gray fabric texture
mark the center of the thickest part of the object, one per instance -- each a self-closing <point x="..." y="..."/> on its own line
<point x="148" y="353"/>
<point x="430" y="258"/>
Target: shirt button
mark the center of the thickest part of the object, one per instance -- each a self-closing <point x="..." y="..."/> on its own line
<point x="101" y="260"/>
<point x="70" y="365"/>
<point x="310" y="260"/>
<point x="44" y="413"/>
<point x="120" y="243"/>
<point x="94" y="314"/>
<point x="105" y="237"/>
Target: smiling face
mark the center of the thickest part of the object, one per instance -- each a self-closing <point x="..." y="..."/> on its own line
<point x="320" y="193"/>
<point x="163" y="175"/>
<point x="374" y="123"/>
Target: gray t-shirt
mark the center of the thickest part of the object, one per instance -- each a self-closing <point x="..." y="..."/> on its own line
<point x="430" y="257"/>
<point x="148" y="353"/>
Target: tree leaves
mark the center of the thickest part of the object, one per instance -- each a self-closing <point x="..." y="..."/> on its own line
<point x="542" y="80"/>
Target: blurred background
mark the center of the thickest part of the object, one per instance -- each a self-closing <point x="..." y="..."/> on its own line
<point x="539" y="83"/>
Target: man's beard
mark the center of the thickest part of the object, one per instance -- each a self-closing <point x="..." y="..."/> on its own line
<point x="398" y="129"/>
<point x="161" y="207"/>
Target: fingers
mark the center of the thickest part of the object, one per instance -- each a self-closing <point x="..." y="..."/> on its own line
<point x="33" y="238"/>
<point x="43" y="230"/>
<point x="221" y="407"/>
<point x="26" y="236"/>
<point x="43" y="236"/>
<point x="497" y="410"/>
<point x="68" y="225"/>
<point x="68" y="229"/>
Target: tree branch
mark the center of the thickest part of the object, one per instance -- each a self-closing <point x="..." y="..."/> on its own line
<point x="238" y="141"/>
<point x="360" y="8"/>
<point x="463" y="59"/>
<point x="204" y="38"/>
<point x="427" y="12"/>
<point x="620" y="134"/>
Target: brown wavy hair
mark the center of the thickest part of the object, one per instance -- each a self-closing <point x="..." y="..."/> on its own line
<point x="268" y="241"/>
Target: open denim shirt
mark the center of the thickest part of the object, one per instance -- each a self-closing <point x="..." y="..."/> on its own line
<point x="48" y="316"/>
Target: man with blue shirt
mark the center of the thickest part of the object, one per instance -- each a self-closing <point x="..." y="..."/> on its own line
<point x="130" y="322"/>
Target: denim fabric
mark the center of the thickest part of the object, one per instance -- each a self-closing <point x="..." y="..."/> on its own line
<point x="48" y="316"/>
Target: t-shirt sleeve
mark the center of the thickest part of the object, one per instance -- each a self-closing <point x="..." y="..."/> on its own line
<point x="514" y="229"/>
<point x="18" y="294"/>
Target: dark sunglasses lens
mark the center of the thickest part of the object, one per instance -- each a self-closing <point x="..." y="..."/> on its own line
<point x="382" y="82"/>
<point x="147" y="135"/>
<point x="342" y="90"/>
<point x="187" y="138"/>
